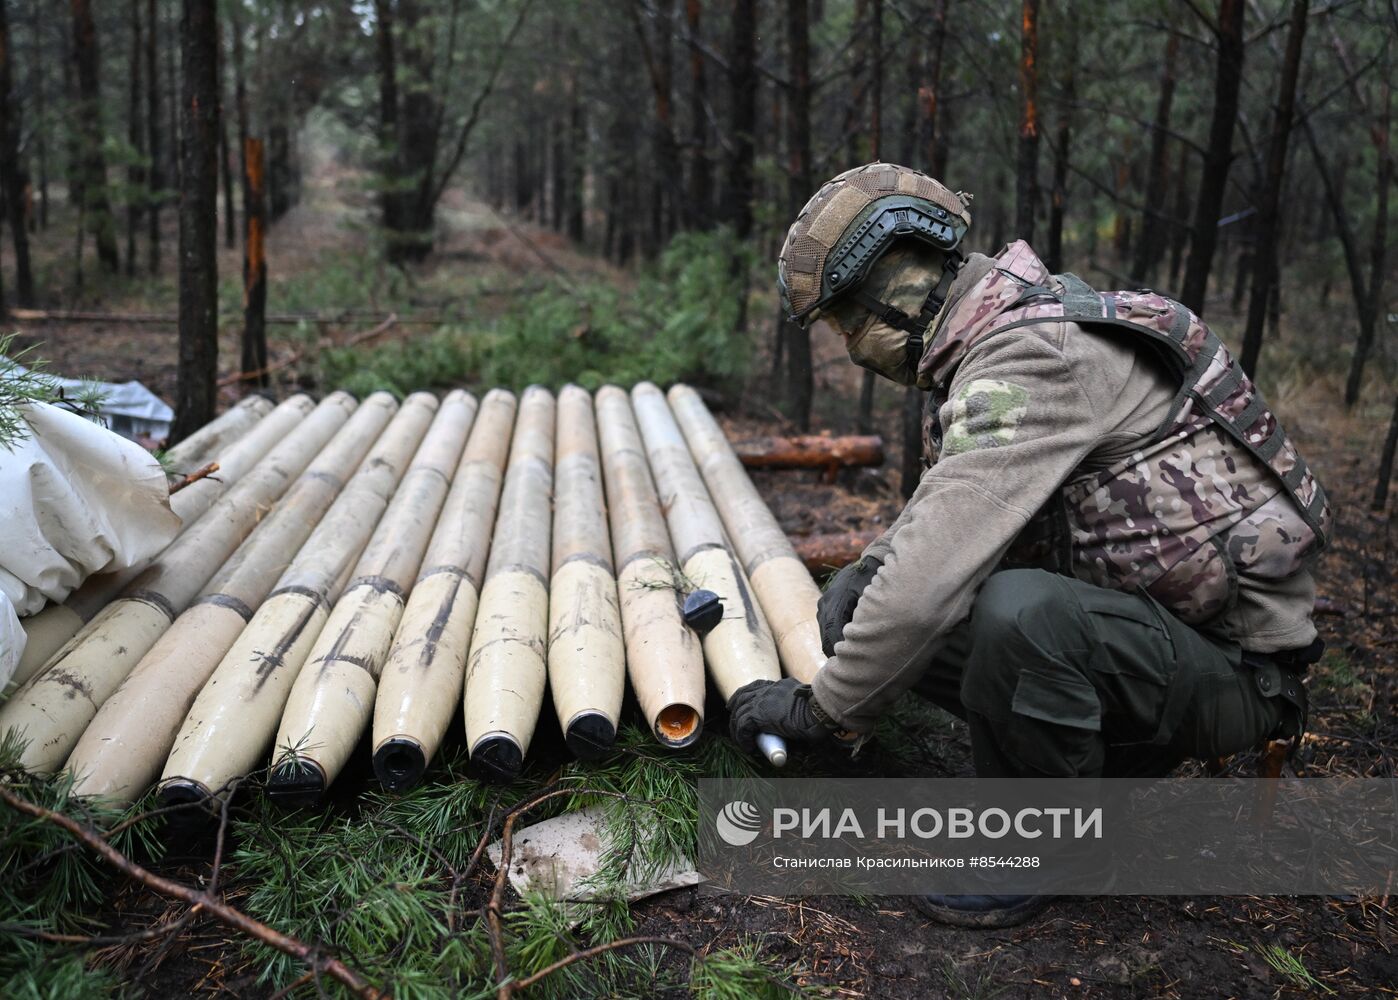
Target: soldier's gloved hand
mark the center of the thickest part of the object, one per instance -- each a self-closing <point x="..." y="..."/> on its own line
<point x="783" y="708"/>
<point x="837" y="604"/>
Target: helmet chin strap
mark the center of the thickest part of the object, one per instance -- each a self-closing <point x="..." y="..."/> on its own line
<point x="914" y="326"/>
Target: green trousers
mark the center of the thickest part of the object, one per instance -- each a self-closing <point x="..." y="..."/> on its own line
<point x="1056" y="677"/>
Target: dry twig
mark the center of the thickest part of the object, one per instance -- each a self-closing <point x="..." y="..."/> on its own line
<point x="194" y="477"/>
<point x="205" y="899"/>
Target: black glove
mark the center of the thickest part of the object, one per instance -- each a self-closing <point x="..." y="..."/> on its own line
<point x="783" y="708"/>
<point x="837" y="604"/>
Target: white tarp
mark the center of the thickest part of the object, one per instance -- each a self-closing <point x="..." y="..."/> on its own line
<point x="75" y="499"/>
<point x="128" y="408"/>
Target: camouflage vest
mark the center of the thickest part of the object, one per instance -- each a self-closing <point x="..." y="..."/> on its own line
<point x="1218" y="491"/>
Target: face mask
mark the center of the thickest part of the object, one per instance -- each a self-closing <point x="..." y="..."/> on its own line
<point x="885" y="350"/>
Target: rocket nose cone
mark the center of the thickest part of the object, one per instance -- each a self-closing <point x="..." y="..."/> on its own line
<point x="496" y="758"/>
<point x="400" y="764"/>
<point x="297" y="783"/>
<point x="590" y="735"/>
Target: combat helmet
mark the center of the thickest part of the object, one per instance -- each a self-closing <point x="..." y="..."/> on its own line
<point x="851" y="222"/>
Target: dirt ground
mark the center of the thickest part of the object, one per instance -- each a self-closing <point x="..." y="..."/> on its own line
<point x="1084" y="947"/>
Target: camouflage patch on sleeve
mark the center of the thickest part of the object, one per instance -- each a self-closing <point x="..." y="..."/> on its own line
<point x="985" y="413"/>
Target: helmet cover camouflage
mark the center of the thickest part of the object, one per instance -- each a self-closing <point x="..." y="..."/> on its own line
<point x="852" y="221"/>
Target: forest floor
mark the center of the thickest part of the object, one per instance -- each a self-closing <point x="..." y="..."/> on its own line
<point x="1083" y="947"/>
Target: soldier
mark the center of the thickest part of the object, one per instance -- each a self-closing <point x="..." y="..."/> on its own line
<point x="1103" y="570"/>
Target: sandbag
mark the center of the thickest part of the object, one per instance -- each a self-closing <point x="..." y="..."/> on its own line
<point x="75" y="499"/>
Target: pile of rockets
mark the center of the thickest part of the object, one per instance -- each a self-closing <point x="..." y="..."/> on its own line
<point x="371" y="563"/>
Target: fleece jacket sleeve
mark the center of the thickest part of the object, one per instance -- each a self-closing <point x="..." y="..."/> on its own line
<point x="1016" y="423"/>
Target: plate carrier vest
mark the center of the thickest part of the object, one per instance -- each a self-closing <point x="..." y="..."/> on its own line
<point x="1217" y="491"/>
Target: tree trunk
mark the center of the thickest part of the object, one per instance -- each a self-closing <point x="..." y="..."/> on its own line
<point x="1378" y="251"/>
<point x="1151" y="244"/>
<point x="1027" y="171"/>
<point x="872" y="65"/>
<point x="1219" y="156"/>
<point x="39" y="77"/>
<point x="225" y="162"/>
<point x="172" y="106"/>
<point x="1265" y="265"/>
<point x="1062" y="152"/>
<point x="135" y="172"/>
<point x="254" y="355"/>
<point x="876" y="79"/>
<point x="1179" y="228"/>
<point x="196" y="392"/>
<point x="1390" y="445"/>
<point x="93" y="165"/>
<point x="12" y="179"/>
<point x="796" y="341"/>
<point x="390" y="197"/>
<point x="577" y="163"/>
<point x="656" y="53"/>
<point x="155" y="173"/>
<point x="742" y="96"/>
<point x="700" y="185"/>
<point x="929" y="92"/>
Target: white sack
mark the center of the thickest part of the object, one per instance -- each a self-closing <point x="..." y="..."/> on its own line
<point x="75" y="499"/>
<point x="11" y="640"/>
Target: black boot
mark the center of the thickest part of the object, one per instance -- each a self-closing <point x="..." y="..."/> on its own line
<point x="982" y="910"/>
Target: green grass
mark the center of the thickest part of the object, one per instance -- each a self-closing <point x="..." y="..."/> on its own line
<point x="677" y="324"/>
<point x="1292" y="969"/>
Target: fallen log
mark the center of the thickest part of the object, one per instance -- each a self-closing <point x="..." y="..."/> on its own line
<point x="811" y="451"/>
<point x="825" y="552"/>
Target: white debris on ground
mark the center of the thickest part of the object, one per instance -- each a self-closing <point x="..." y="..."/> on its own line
<point x="127" y="408"/>
<point x="557" y="857"/>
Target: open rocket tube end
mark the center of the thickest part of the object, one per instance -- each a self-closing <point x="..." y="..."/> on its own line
<point x="297" y="783"/>
<point x="187" y="805"/>
<point x="497" y="758"/>
<point x="773" y="748"/>
<point x="678" y="726"/>
<point x="589" y="735"/>
<point x="400" y="763"/>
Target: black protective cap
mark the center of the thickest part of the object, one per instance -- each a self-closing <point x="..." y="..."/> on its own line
<point x="297" y="783"/>
<point x="590" y="735"/>
<point x="496" y="758"/>
<point x="702" y="611"/>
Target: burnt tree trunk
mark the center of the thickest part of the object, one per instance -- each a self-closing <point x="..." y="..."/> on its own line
<point x="196" y="391"/>
<point x="1265" y="264"/>
<point x="795" y="340"/>
<point x="12" y="179"/>
<point x="135" y="172"/>
<point x="254" y="354"/>
<point x="155" y="173"/>
<point x="1027" y="168"/>
<point x="93" y="163"/>
<point x="1150" y="244"/>
<point x="1219" y="155"/>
